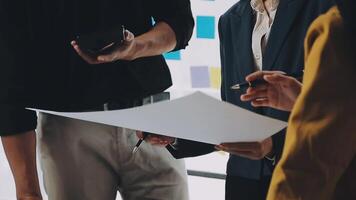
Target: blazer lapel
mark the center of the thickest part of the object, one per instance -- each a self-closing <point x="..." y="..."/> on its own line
<point x="241" y="27"/>
<point x="285" y="17"/>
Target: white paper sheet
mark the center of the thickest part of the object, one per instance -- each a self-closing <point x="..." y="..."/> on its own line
<point x="195" y="117"/>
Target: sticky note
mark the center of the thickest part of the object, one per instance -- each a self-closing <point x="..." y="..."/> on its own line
<point x="215" y="77"/>
<point x="175" y="55"/>
<point x="200" y="76"/>
<point x="206" y="27"/>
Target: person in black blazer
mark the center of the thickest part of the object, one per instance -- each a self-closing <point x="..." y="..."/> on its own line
<point x="42" y="68"/>
<point x="251" y="165"/>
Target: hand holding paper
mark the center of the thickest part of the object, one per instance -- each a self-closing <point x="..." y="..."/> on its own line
<point x="196" y="117"/>
<point x="251" y="150"/>
<point x="157" y="140"/>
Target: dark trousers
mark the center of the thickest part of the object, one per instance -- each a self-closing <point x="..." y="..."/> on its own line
<point x="238" y="188"/>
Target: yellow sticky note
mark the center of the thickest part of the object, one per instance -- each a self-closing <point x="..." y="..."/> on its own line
<point x="215" y="77"/>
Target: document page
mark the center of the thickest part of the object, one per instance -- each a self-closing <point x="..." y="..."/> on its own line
<point x="197" y="117"/>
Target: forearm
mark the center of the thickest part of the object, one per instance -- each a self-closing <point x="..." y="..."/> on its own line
<point x="20" y="150"/>
<point x="160" y="39"/>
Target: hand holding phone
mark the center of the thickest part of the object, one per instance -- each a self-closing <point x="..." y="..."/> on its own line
<point x="101" y="41"/>
<point x="105" y="47"/>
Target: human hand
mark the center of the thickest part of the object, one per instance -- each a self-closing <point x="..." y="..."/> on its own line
<point x="125" y="51"/>
<point x="156" y="140"/>
<point x="280" y="92"/>
<point x="251" y="150"/>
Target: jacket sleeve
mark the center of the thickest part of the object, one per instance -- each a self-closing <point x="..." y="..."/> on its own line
<point x="187" y="148"/>
<point x="14" y="53"/>
<point x="319" y="158"/>
<point x="278" y="144"/>
<point x="16" y="120"/>
<point x="222" y="59"/>
<point x="178" y="15"/>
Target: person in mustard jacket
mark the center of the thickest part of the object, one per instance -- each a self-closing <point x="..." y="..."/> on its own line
<point x="319" y="159"/>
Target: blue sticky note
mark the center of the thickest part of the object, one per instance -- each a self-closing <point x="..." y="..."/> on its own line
<point x="175" y="55"/>
<point x="200" y="77"/>
<point x="206" y="27"/>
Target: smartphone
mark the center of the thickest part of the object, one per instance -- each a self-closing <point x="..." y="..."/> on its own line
<point x="102" y="40"/>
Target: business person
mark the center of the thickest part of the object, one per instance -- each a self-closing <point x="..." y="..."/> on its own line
<point x="319" y="161"/>
<point x="82" y="160"/>
<point x="255" y="35"/>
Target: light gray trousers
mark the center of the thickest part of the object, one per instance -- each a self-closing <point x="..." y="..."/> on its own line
<point x="88" y="161"/>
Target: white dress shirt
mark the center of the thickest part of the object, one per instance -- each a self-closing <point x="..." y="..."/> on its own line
<point x="262" y="29"/>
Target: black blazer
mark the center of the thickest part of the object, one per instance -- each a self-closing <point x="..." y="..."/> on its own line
<point x="284" y="52"/>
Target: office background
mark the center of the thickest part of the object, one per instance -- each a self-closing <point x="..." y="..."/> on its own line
<point x="195" y="69"/>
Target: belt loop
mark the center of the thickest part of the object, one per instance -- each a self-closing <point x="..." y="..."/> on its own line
<point x="106" y="106"/>
<point x="151" y="98"/>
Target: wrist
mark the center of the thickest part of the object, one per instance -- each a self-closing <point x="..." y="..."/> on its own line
<point x="30" y="197"/>
<point x="271" y="156"/>
<point x="28" y="192"/>
<point x="268" y="146"/>
<point x="138" y="49"/>
<point x="35" y="194"/>
<point x="134" y="53"/>
<point x="27" y="183"/>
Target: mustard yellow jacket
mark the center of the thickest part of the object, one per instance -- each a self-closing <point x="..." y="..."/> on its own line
<point x="319" y="159"/>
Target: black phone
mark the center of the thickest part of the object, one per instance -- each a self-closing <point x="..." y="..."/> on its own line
<point x="102" y="40"/>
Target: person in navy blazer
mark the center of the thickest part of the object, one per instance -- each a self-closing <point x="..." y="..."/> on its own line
<point x="250" y="165"/>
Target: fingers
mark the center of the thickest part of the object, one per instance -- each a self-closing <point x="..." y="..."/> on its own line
<point x="123" y="51"/>
<point x="111" y="57"/>
<point x="253" y="155"/>
<point x="277" y="79"/>
<point x="156" y="140"/>
<point x="139" y="134"/>
<point x="255" y="76"/>
<point x="259" y="75"/>
<point x="159" y="140"/>
<point x="257" y="88"/>
<point x="255" y="93"/>
<point x="251" y="150"/>
<point x="91" y="59"/>
<point x="261" y="103"/>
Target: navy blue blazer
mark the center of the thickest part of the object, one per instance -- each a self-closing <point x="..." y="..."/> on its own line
<point x="284" y="52"/>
